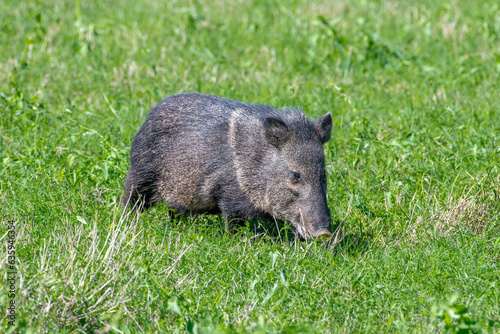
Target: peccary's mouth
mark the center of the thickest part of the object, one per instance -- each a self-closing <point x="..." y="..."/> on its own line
<point x="323" y="235"/>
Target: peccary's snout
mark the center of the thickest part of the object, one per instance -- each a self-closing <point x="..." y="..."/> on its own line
<point x="316" y="219"/>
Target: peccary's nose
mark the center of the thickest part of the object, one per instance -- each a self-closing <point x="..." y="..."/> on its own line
<point x="321" y="234"/>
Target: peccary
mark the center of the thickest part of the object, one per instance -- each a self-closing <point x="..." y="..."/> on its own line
<point x="207" y="154"/>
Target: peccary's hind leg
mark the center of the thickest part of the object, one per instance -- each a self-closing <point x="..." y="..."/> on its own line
<point x="140" y="191"/>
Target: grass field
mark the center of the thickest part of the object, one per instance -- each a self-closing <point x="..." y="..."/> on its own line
<point x="413" y="166"/>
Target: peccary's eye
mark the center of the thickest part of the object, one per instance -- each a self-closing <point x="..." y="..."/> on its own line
<point x="295" y="177"/>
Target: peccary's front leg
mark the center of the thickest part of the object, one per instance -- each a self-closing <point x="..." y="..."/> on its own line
<point x="232" y="222"/>
<point x="234" y="207"/>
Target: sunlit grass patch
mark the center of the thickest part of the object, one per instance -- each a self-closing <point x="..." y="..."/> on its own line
<point x="413" y="166"/>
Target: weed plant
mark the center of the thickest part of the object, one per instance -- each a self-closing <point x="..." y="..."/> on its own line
<point x="413" y="166"/>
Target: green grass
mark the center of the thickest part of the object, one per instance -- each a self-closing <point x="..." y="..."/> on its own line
<point x="413" y="166"/>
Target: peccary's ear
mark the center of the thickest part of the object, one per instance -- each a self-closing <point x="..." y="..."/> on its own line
<point x="276" y="131"/>
<point x="323" y="128"/>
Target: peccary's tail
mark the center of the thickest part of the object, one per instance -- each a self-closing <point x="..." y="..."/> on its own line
<point x="140" y="190"/>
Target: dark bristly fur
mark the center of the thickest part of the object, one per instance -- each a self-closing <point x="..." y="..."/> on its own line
<point x="206" y="154"/>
